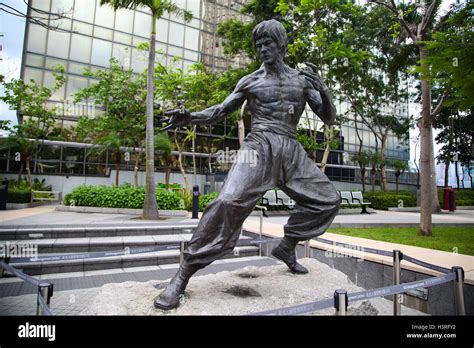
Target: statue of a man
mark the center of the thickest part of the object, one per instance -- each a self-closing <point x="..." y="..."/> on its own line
<point x="276" y="96"/>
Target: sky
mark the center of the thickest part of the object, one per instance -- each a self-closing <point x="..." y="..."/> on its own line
<point x="13" y="28"/>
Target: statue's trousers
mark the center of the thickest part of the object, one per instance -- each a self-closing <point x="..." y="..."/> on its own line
<point x="265" y="161"/>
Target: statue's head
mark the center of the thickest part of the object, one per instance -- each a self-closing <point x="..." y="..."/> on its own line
<point x="270" y="40"/>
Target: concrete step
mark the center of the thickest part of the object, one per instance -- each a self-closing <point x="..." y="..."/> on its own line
<point x="84" y="231"/>
<point x="124" y="261"/>
<point x="76" y="245"/>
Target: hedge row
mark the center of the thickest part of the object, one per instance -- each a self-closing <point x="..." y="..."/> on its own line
<point x="204" y="200"/>
<point x="385" y="200"/>
<point x="124" y="196"/>
<point x="463" y="197"/>
<point x="18" y="196"/>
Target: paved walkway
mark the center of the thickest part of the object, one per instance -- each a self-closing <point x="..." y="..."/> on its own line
<point x="73" y="290"/>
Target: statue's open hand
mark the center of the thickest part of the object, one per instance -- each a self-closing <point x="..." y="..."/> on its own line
<point x="313" y="77"/>
<point x="178" y="117"/>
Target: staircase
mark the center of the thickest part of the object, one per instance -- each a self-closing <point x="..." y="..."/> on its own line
<point x="59" y="245"/>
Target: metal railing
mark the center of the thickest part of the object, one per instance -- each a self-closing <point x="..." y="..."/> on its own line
<point x="44" y="289"/>
<point x="342" y="299"/>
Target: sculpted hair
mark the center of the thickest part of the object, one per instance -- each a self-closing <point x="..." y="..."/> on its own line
<point x="272" y="29"/>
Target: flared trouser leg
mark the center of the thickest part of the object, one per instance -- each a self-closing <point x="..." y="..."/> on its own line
<point x="317" y="200"/>
<point x="279" y="161"/>
<point x="250" y="177"/>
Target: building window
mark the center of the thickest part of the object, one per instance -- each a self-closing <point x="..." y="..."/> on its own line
<point x="142" y="24"/>
<point x="37" y="39"/>
<point x="80" y="48"/>
<point x="104" y="15"/>
<point x="84" y="10"/>
<point x="176" y="35"/>
<point x="101" y="52"/>
<point x="124" y="20"/>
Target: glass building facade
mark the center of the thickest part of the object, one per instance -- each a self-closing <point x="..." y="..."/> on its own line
<point x="94" y="34"/>
<point x="97" y="33"/>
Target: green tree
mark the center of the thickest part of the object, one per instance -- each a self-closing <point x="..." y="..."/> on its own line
<point x="363" y="160"/>
<point x="418" y="23"/>
<point x="163" y="148"/>
<point x="400" y="167"/>
<point x="122" y="96"/>
<point x="30" y="100"/>
<point x="450" y="55"/>
<point x="158" y="8"/>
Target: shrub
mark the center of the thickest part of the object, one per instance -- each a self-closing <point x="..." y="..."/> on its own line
<point x="124" y="196"/>
<point x="385" y="200"/>
<point x="18" y="196"/>
<point x="204" y="200"/>
<point x="463" y="197"/>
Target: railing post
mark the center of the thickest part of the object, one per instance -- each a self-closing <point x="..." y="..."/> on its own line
<point x="459" y="290"/>
<point x="2" y="270"/>
<point x="181" y="252"/>
<point x="340" y="302"/>
<point x="195" y="214"/>
<point x="261" y="232"/>
<point x="397" y="305"/>
<point x="46" y="291"/>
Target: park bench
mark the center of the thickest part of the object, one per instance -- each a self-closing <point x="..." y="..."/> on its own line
<point x="53" y="196"/>
<point x="354" y="199"/>
<point x="277" y="198"/>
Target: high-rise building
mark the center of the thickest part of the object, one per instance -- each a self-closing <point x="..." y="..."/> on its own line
<point x="92" y="34"/>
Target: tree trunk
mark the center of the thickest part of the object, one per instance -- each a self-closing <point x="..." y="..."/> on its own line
<point x="372" y="178"/>
<point x="135" y="169"/>
<point x="450" y="149"/>
<point x="150" y="209"/>
<point x="20" y="172"/>
<point x="456" y="170"/>
<point x="167" y="176"/>
<point x="383" y="174"/>
<point x="180" y="161"/>
<point x="426" y="155"/>
<point x="327" y="150"/>
<point x="396" y="183"/>
<point x="362" y="178"/>
<point x="28" y="172"/>
<point x="118" y="159"/>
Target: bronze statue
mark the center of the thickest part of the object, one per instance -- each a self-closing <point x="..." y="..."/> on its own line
<point x="276" y="96"/>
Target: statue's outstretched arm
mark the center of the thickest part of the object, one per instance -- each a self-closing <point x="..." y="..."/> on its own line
<point x="213" y="114"/>
<point x="216" y="113"/>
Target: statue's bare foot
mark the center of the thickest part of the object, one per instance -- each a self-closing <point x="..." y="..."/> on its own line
<point x="288" y="256"/>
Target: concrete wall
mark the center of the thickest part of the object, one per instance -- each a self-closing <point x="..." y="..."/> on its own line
<point x="372" y="275"/>
<point x="66" y="184"/>
<point x="349" y="186"/>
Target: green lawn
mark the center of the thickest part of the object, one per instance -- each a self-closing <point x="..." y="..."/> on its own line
<point x="444" y="238"/>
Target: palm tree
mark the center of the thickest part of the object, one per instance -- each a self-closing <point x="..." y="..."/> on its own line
<point x="363" y="159"/>
<point x="157" y="8"/>
<point x="400" y="167"/>
<point x="163" y="148"/>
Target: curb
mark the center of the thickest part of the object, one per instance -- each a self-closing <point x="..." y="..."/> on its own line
<point x="180" y="213"/>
